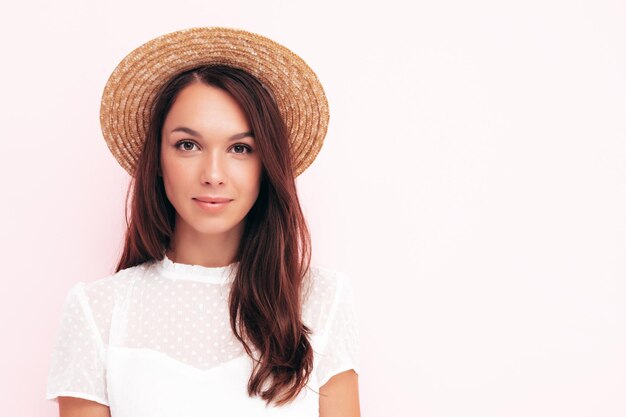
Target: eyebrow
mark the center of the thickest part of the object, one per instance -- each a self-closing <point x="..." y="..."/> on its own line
<point x="194" y="133"/>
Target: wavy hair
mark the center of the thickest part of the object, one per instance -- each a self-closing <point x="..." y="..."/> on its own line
<point x="265" y="301"/>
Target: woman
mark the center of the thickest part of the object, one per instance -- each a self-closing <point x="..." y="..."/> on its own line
<point x="214" y="308"/>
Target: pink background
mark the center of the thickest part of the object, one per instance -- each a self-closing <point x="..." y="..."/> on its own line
<point x="472" y="185"/>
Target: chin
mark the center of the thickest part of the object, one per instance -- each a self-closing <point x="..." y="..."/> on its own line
<point x="215" y="226"/>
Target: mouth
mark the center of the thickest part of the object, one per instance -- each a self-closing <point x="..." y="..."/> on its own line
<point x="211" y="206"/>
<point x="212" y="200"/>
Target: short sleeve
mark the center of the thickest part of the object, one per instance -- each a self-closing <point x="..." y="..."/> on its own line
<point x="77" y="367"/>
<point x="342" y="336"/>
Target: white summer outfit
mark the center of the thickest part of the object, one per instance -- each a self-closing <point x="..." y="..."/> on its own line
<point x="154" y="340"/>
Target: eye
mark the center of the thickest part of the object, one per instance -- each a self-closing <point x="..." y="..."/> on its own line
<point x="238" y="146"/>
<point x="241" y="145"/>
<point x="182" y="142"/>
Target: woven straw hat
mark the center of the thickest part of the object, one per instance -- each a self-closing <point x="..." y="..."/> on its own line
<point x="133" y="85"/>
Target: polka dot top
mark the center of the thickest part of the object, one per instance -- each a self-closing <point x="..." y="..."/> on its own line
<point x="155" y="340"/>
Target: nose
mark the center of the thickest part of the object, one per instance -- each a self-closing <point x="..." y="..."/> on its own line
<point x="213" y="168"/>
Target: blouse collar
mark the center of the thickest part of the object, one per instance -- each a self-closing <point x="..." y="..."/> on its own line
<point x="215" y="275"/>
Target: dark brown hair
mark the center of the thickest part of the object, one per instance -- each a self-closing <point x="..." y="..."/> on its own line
<point x="275" y="250"/>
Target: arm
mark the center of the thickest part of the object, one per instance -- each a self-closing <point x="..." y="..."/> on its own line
<point x="77" y="374"/>
<point x="79" y="407"/>
<point x="339" y="397"/>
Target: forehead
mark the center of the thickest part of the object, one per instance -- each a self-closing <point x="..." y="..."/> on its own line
<point x="201" y="107"/>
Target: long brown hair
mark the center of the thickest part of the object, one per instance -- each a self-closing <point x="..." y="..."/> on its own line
<point x="274" y="254"/>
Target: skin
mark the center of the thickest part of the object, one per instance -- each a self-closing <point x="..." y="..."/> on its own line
<point x="339" y="396"/>
<point x="209" y="163"/>
<point x="78" y="407"/>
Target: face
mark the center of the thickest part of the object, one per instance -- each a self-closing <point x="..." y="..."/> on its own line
<point x="207" y="151"/>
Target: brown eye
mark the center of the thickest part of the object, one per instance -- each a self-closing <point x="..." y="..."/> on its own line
<point x="240" y="146"/>
<point x="183" y="142"/>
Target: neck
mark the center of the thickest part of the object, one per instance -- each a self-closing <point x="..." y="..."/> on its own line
<point x="189" y="246"/>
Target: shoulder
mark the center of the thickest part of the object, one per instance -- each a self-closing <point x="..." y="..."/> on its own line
<point x="324" y="289"/>
<point x="321" y="283"/>
<point x="110" y="287"/>
<point x="96" y="300"/>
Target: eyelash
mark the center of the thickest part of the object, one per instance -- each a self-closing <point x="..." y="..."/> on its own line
<point x="249" y="149"/>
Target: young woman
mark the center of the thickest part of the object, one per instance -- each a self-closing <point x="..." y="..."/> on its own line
<point x="215" y="307"/>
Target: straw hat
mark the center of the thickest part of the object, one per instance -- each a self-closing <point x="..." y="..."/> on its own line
<point x="133" y="85"/>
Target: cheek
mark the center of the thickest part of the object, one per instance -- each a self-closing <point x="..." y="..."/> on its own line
<point x="249" y="181"/>
<point x="175" y="178"/>
<point x="254" y="178"/>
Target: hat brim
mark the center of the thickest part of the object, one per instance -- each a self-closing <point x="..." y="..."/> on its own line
<point x="132" y="87"/>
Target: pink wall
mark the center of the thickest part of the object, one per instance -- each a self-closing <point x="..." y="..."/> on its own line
<point x="471" y="184"/>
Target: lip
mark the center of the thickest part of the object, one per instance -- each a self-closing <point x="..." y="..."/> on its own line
<point x="211" y="207"/>
<point x="213" y="199"/>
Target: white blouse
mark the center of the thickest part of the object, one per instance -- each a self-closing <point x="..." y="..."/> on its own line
<point x="155" y="340"/>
